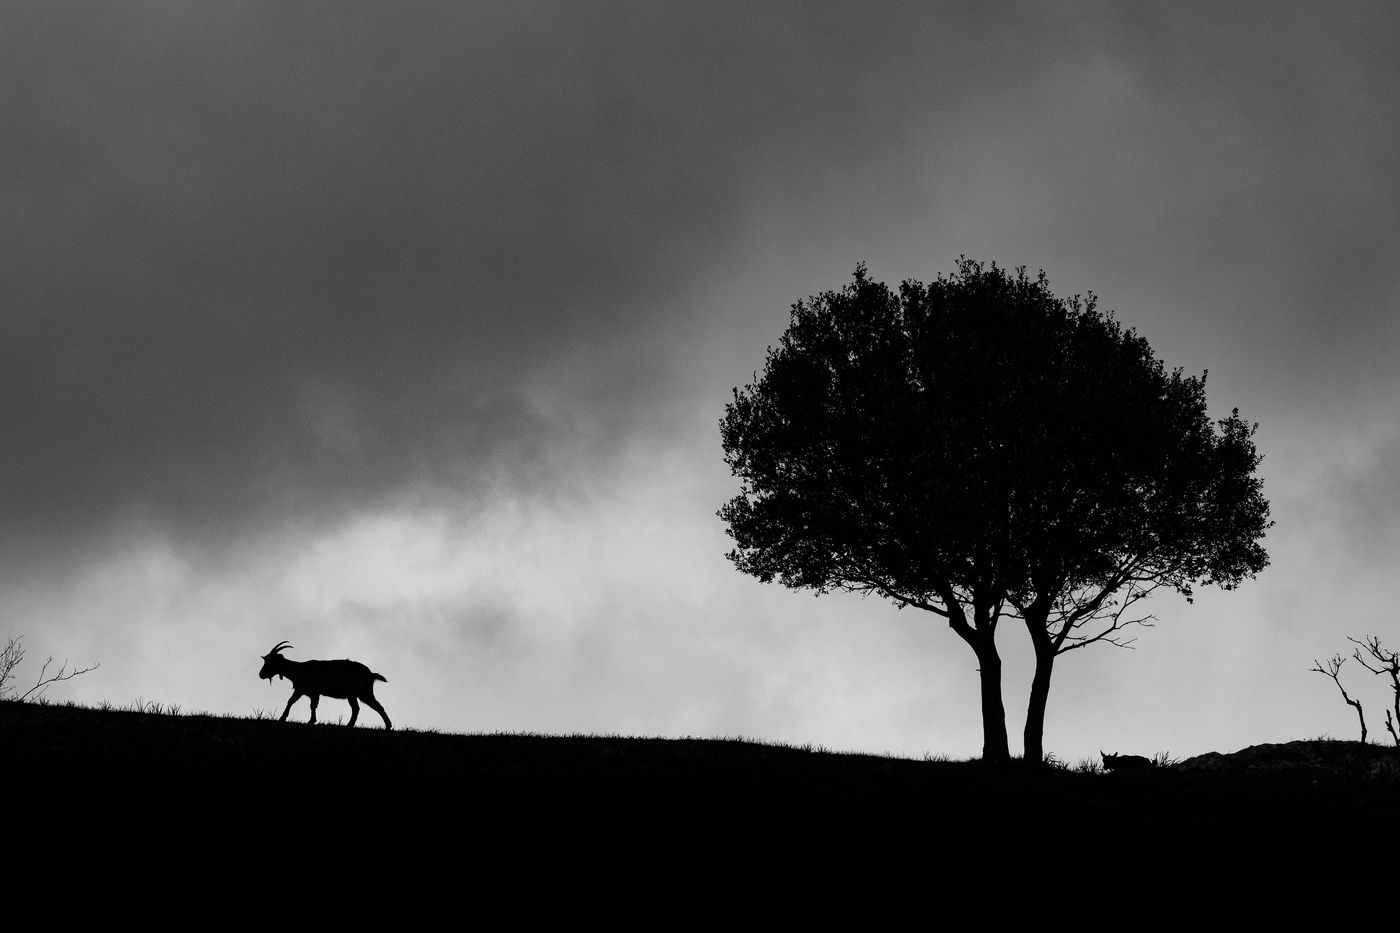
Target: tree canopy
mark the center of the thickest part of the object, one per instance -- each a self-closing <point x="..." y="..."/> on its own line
<point x="981" y="449"/>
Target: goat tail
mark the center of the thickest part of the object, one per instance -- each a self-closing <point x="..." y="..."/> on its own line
<point x="379" y="677"/>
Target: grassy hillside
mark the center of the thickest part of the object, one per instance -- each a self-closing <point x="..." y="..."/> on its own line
<point x="608" y="807"/>
<point x="55" y="744"/>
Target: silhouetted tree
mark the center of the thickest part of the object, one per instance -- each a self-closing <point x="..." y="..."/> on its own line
<point x="981" y="449"/>
<point x="1333" y="669"/>
<point x="1387" y="662"/>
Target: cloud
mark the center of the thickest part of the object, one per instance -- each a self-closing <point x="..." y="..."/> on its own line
<point x="611" y="613"/>
<point x="264" y="261"/>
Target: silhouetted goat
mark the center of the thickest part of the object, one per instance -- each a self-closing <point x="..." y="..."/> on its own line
<point x="1126" y="763"/>
<point x="345" y="680"/>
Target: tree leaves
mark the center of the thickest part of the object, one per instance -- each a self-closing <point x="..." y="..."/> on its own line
<point x="983" y="435"/>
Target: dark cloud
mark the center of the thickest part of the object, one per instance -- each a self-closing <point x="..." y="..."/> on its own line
<point x="271" y="263"/>
<point x="268" y="258"/>
<point x="1279" y="125"/>
<point x="264" y="259"/>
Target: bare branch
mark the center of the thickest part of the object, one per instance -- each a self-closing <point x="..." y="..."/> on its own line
<point x="1388" y="663"/>
<point x="1103" y="609"/>
<point x="1388" y="660"/>
<point x="868" y="581"/>
<point x="63" y="674"/>
<point x="10" y="657"/>
<point x="1334" y="666"/>
<point x="9" y="660"/>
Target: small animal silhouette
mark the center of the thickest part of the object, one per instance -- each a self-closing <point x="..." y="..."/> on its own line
<point x="345" y="680"/>
<point x="1126" y="762"/>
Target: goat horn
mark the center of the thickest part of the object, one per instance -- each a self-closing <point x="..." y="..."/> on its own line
<point x="280" y="646"/>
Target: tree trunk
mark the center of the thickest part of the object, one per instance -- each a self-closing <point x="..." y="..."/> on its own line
<point x="995" y="747"/>
<point x="1035" y="711"/>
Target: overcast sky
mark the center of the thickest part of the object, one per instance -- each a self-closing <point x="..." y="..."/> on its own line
<point x="402" y="332"/>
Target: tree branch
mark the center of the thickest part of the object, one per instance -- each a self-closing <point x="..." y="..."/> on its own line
<point x="1389" y="663"/>
<point x="1334" y="666"/>
<point x="870" y="581"/>
<point x="1100" y="608"/>
<point x="10" y="657"/>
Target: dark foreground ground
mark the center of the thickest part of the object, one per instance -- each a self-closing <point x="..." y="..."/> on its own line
<point x="120" y="801"/>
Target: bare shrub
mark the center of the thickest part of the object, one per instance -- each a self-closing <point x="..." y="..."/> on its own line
<point x="11" y="657"/>
<point x="1378" y="659"/>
